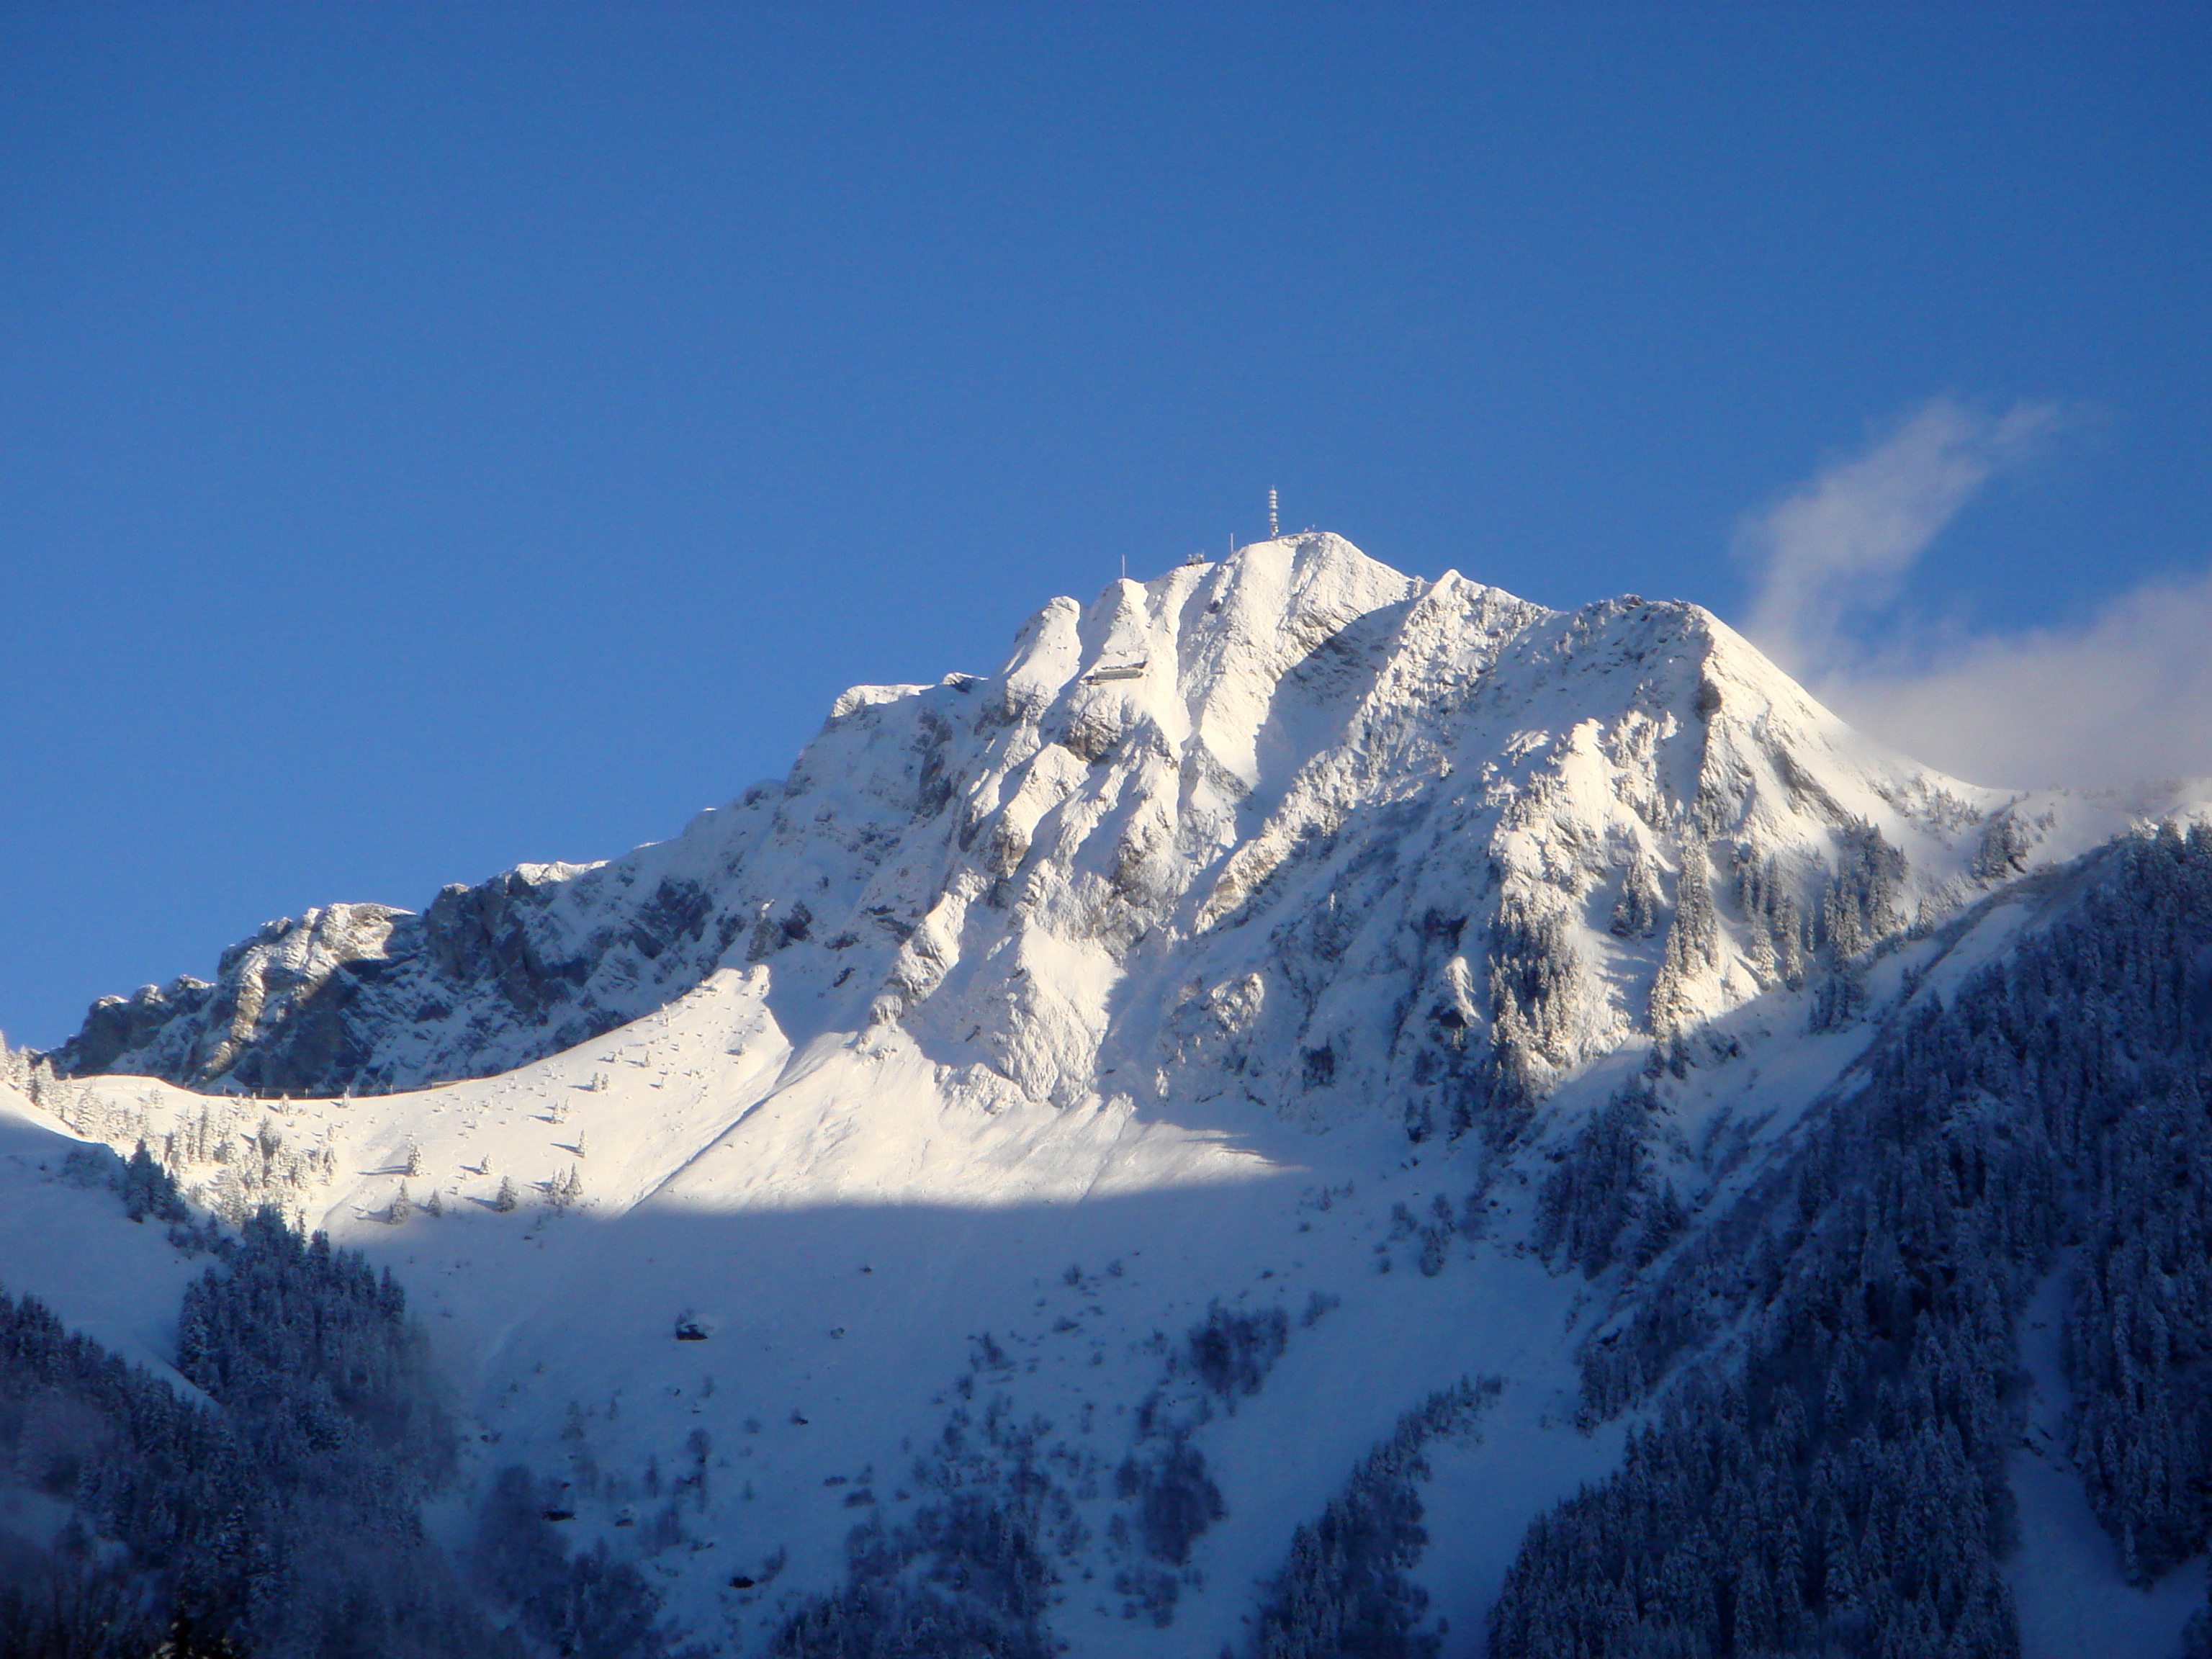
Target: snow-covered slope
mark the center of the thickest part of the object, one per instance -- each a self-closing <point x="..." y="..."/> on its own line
<point x="898" y="1274"/>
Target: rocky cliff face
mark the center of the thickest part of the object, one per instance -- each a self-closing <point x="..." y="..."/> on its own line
<point x="365" y="998"/>
<point x="1293" y="825"/>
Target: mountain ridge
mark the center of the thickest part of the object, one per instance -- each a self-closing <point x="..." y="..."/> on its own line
<point x="1174" y="763"/>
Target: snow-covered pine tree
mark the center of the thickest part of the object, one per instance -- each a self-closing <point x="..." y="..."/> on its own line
<point x="1636" y="912"/>
<point x="148" y="1189"/>
<point x="1692" y="946"/>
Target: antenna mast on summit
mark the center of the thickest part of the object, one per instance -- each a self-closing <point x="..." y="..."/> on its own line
<point x="1272" y="531"/>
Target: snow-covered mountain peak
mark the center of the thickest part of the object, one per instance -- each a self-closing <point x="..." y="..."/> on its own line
<point x="1200" y="652"/>
<point x="1290" y="825"/>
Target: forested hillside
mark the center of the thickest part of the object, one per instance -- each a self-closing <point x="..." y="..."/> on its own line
<point x="1835" y="1477"/>
<point x="272" y="1504"/>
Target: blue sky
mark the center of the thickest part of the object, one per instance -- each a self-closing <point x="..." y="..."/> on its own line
<point x="436" y="437"/>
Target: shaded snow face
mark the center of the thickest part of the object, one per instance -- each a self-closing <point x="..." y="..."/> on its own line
<point x="1293" y="826"/>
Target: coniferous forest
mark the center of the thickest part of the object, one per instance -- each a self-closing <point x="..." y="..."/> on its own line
<point x="274" y="1505"/>
<point x="1834" y="1481"/>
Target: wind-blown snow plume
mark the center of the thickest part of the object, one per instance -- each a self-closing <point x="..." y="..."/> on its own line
<point x="2124" y="695"/>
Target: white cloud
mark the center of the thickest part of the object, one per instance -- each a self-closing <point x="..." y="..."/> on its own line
<point x="2123" y="695"/>
<point x="1840" y="543"/>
